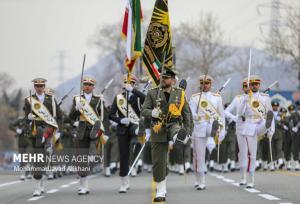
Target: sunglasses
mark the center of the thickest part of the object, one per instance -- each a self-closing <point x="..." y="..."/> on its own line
<point x="88" y="85"/>
<point x="37" y="85"/>
<point x="254" y="84"/>
<point x="166" y="77"/>
<point x="205" y="83"/>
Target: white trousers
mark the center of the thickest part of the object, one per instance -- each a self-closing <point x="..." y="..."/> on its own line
<point x="199" y="149"/>
<point x="247" y="145"/>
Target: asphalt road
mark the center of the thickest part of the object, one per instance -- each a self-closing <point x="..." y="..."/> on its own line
<point x="270" y="187"/>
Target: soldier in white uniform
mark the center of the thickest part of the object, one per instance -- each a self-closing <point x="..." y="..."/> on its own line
<point x="231" y="114"/>
<point x="256" y="113"/>
<point x="209" y="121"/>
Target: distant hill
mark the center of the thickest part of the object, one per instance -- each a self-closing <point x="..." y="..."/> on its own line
<point x="270" y="71"/>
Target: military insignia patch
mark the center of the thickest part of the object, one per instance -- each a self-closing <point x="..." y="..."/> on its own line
<point x="37" y="106"/>
<point x="158" y="34"/>
<point x="255" y="104"/>
<point x="204" y="104"/>
<point x="121" y="101"/>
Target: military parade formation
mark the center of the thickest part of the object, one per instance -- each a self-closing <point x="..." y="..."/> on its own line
<point x="160" y="131"/>
<point x="156" y="128"/>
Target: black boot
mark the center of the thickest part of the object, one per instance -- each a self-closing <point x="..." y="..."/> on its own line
<point x="159" y="199"/>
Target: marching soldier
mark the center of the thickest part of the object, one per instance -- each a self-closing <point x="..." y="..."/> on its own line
<point x="228" y="146"/>
<point x="111" y="150"/>
<point x="287" y="139"/>
<point x="209" y="121"/>
<point x="41" y="111"/>
<point x="126" y="115"/>
<point x="88" y="113"/>
<point x="169" y="113"/>
<point x="257" y="116"/>
<point x="24" y="142"/>
<point x="295" y="121"/>
<point x="277" y="138"/>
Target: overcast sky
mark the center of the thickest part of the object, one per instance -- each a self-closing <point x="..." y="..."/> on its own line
<point x="32" y="32"/>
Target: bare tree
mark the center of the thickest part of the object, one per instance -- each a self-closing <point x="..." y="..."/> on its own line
<point x="108" y="41"/>
<point x="286" y="44"/>
<point x="201" y="46"/>
<point x="241" y="62"/>
<point x="5" y="80"/>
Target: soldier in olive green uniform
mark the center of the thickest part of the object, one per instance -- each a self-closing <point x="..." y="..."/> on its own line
<point x="111" y="156"/>
<point x="24" y="142"/>
<point x="43" y="129"/>
<point x="277" y="138"/>
<point x="167" y="122"/>
<point x="287" y="139"/>
<point x="86" y="109"/>
<point x="295" y="122"/>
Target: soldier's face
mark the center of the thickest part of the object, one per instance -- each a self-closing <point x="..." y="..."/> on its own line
<point x="205" y="87"/>
<point x="167" y="82"/>
<point x="39" y="89"/>
<point x="88" y="88"/>
<point x="254" y="87"/>
<point x="275" y="108"/>
<point x="245" y="88"/>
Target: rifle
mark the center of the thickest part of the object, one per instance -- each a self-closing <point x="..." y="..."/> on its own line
<point x="224" y="85"/>
<point x="81" y="77"/>
<point x="269" y="87"/>
<point x="107" y="86"/>
<point x="146" y="86"/>
<point x="64" y="97"/>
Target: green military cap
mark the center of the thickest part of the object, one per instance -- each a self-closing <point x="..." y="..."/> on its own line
<point x="291" y="107"/>
<point x="39" y="81"/>
<point x="169" y="73"/>
<point x="275" y="103"/>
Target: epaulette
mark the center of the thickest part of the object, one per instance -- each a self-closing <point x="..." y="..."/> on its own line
<point x="216" y="94"/>
<point x="264" y="94"/>
<point x="196" y="94"/>
<point x="154" y="88"/>
<point x="238" y="96"/>
<point x="97" y="96"/>
<point x="76" y="95"/>
<point x="48" y="95"/>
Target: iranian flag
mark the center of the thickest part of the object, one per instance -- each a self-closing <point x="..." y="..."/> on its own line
<point x="131" y="32"/>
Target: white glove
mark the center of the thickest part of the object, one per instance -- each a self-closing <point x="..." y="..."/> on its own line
<point x="285" y="127"/>
<point x="155" y="113"/>
<point x="125" y="121"/>
<point x="136" y="132"/>
<point x="19" y="131"/>
<point x="101" y="97"/>
<point x="76" y="124"/>
<point x="49" y="150"/>
<point x="295" y="129"/>
<point x="30" y="116"/>
<point x="128" y="87"/>
<point x="235" y="118"/>
<point x="78" y="106"/>
<point x="269" y="135"/>
<point x="148" y="134"/>
<point x="113" y="123"/>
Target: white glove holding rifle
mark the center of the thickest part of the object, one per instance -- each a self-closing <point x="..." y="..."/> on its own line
<point x="155" y="113"/>
<point x="125" y="121"/>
